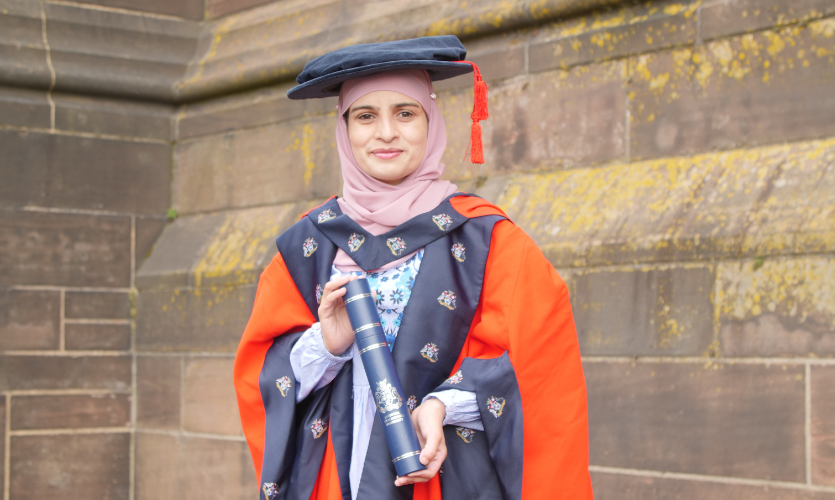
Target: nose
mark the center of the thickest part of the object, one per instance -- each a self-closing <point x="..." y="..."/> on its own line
<point x="386" y="128"/>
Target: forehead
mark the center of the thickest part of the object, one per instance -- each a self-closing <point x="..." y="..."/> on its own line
<point x="383" y="99"/>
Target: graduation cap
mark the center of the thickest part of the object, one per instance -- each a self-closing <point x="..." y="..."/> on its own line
<point x="441" y="56"/>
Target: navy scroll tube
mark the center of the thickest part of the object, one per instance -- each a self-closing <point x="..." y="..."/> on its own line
<point x="382" y="376"/>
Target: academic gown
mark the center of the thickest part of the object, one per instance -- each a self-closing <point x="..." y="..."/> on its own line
<point x="488" y="314"/>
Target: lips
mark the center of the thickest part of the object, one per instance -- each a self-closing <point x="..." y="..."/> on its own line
<point x="387" y="154"/>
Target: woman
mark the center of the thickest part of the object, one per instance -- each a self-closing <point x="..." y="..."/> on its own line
<point x="486" y="349"/>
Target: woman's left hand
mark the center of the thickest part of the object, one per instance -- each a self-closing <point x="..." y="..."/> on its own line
<point x="428" y="420"/>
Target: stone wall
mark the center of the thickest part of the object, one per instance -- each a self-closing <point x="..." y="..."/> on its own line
<point x="673" y="160"/>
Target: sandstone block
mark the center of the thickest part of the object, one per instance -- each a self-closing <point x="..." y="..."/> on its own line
<point x="71" y="411"/>
<point x="823" y="425"/>
<point x="23" y="107"/>
<point x="241" y="169"/>
<point x="49" y="170"/>
<point x="627" y="487"/>
<point x="65" y="372"/>
<point x="765" y="201"/>
<point x="64" y="249"/>
<point x="97" y="305"/>
<point x="158" y="392"/>
<point x="111" y="117"/>
<point x="628" y="31"/>
<point x="715" y="419"/>
<point x="734" y="92"/>
<point x="172" y="468"/>
<point x="201" y="320"/>
<point x="147" y="231"/>
<point x="554" y="120"/>
<point x="209" y="402"/>
<point x="740" y="16"/>
<point x="218" y="8"/>
<point x="29" y="319"/>
<point x="777" y="307"/>
<point x="94" y="337"/>
<point x="70" y="466"/>
<point x="644" y="312"/>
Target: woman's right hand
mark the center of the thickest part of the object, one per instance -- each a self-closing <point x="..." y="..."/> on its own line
<point x="333" y="318"/>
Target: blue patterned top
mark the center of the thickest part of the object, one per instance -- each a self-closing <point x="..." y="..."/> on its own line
<point x="393" y="288"/>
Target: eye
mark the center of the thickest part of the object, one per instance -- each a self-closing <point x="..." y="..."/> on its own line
<point x="406" y="114"/>
<point x="364" y="116"/>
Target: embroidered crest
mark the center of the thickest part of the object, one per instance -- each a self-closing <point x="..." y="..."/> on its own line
<point x="411" y="403"/>
<point x="387" y="397"/>
<point x="270" y="490"/>
<point x="326" y="216"/>
<point x="319" y="292"/>
<point x="318" y="427"/>
<point x="465" y="434"/>
<point x="455" y="379"/>
<point x="458" y="252"/>
<point x="495" y="405"/>
<point x="443" y="221"/>
<point x="430" y="352"/>
<point x="396" y="245"/>
<point x="309" y="246"/>
<point x="355" y="241"/>
<point x="447" y="299"/>
<point x="283" y="385"/>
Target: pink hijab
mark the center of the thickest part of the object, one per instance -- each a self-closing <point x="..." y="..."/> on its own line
<point x="376" y="206"/>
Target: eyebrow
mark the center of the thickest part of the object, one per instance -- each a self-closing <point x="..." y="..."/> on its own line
<point x="375" y="108"/>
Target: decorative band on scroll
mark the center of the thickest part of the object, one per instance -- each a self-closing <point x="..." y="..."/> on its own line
<point x="379" y="368"/>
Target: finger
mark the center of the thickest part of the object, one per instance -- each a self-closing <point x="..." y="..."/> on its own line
<point x="430" y="449"/>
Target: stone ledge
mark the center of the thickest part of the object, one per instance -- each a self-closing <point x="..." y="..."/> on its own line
<point x="764" y="201"/>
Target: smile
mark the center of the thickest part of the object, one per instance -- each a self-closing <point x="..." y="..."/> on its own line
<point x="387" y="154"/>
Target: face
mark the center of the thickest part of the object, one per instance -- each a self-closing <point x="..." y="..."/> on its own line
<point x="388" y="133"/>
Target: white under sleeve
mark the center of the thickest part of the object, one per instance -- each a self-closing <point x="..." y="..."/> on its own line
<point x="313" y="365"/>
<point x="461" y="408"/>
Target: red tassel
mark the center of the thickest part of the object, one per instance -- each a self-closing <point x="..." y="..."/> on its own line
<point x="479" y="113"/>
<point x="477" y="153"/>
<point x="480" y="101"/>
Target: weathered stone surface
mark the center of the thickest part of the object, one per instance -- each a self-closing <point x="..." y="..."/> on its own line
<point x="765" y="201"/>
<point x="23" y="108"/>
<point x="272" y="43"/>
<point x="721" y="18"/>
<point x="249" y="109"/>
<point x="29" y="319"/>
<point x="644" y="312"/>
<point x="49" y="170"/>
<point x="823" y="425"/>
<point x="97" y="305"/>
<point x="22" y="56"/>
<point x="3" y="437"/>
<point x="240" y="169"/>
<point x="111" y="117"/>
<point x="780" y="307"/>
<point x="158" y="392"/>
<point x="115" y="53"/>
<point x="147" y="231"/>
<point x="70" y="466"/>
<point x="95" y="337"/>
<point x="173" y="468"/>
<point x="64" y="249"/>
<point x="734" y="92"/>
<point x="190" y="9"/>
<point x="627" y="31"/>
<point x="627" y="487"/>
<point x="209" y="403"/>
<point x="716" y="419"/>
<point x="219" y="249"/>
<point x="559" y="119"/>
<point x="71" y="411"/>
<point x="218" y="8"/>
<point x="498" y="57"/>
<point x="21" y="373"/>
<point x="201" y="320"/>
